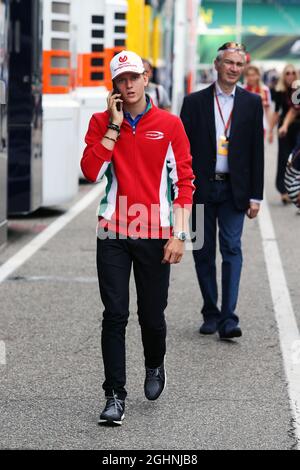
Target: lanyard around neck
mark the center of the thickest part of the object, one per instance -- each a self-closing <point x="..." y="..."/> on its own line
<point x="226" y="126"/>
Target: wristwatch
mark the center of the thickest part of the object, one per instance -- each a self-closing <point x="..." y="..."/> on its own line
<point x="180" y="236"/>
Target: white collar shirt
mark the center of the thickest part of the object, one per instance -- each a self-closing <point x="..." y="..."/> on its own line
<point x="226" y="104"/>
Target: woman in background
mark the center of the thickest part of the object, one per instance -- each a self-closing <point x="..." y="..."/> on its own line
<point x="253" y="83"/>
<point x="287" y="140"/>
<point x="157" y="92"/>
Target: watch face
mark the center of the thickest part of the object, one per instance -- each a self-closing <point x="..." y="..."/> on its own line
<point x="181" y="236"/>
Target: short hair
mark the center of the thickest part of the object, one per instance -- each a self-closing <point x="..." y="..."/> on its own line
<point x="231" y="46"/>
<point x="221" y="52"/>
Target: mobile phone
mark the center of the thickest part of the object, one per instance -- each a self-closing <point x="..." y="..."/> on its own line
<point x="118" y="105"/>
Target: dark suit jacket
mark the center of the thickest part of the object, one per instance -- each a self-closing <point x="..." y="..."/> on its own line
<point x="246" y="144"/>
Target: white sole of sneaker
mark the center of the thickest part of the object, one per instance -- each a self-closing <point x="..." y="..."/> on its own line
<point x="165" y="380"/>
<point x="106" y="421"/>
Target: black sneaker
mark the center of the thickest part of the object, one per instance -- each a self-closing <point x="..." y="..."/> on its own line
<point x="208" y="327"/>
<point x="155" y="382"/>
<point x="113" y="412"/>
<point x="230" y="333"/>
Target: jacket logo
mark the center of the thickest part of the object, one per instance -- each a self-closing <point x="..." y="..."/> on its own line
<point x="123" y="59"/>
<point x="154" y="135"/>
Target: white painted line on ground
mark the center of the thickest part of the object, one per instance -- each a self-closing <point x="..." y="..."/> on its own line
<point x="284" y="314"/>
<point x="40" y="240"/>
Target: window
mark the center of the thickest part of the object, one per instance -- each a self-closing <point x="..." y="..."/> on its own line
<point x="119" y="42"/>
<point x="97" y="33"/>
<point x="62" y="8"/>
<point x="97" y="62"/>
<point x="60" y="80"/>
<point x="60" y="44"/>
<point x="120" y="16"/>
<point x="97" y="19"/>
<point x="63" y="26"/>
<point x="97" y="47"/>
<point x="97" y="76"/>
<point x="60" y="62"/>
<point x="120" y="29"/>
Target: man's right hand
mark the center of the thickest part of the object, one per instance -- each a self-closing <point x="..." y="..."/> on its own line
<point x="253" y="210"/>
<point x="282" y="131"/>
<point x="115" y="116"/>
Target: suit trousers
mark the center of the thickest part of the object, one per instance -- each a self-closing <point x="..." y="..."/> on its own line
<point x="115" y="258"/>
<point x="220" y="209"/>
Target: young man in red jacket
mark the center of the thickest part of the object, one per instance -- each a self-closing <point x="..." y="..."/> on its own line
<point x="144" y="153"/>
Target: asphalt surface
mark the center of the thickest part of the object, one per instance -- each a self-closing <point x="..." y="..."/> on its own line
<point x="220" y="395"/>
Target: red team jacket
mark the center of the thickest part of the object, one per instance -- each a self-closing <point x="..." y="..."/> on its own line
<point x="148" y="171"/>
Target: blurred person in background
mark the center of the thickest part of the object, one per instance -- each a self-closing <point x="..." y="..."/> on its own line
<point x="292" y="176"/>
<point x="272" y="78"/>
<point x="293" y="113"/>
<point x="288" y="124"/>
<point x="157" y="92"/>
<point x="254" y="84"/>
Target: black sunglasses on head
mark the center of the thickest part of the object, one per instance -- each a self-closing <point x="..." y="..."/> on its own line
<point x="233" y="45"/>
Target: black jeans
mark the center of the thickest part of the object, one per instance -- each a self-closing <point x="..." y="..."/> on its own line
<point x="114" y="261"/>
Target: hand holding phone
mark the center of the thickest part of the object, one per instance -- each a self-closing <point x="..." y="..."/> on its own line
<point x="115" y="107"/>
<point x="118" y="104"/>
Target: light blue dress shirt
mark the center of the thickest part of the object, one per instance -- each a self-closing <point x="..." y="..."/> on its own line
<point x="226" y="105"/>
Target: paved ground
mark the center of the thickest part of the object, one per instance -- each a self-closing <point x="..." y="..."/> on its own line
<point x="219" y="395"/>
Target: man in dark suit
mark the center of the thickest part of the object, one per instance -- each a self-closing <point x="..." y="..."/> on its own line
<point x="224" y="124"/>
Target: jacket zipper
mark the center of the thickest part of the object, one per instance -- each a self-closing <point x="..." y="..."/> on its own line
<point x="135" y="166"/>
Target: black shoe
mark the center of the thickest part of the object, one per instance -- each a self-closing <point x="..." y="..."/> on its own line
<point x="155" y="382"/>
<point x="230" y="332"/>
<point x="208" y="327"/>
<point x="113" y="412"/>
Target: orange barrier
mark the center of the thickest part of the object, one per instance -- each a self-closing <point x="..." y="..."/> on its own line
<point x="86" y="69"/>
<point x="93" y="68"/>
<point x="49" y="72"/>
